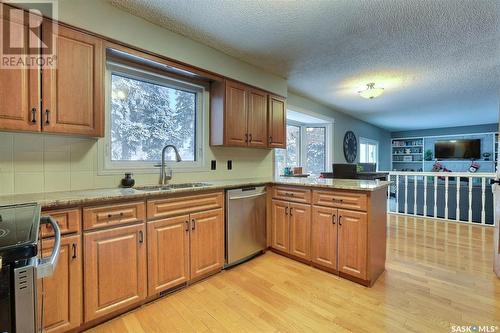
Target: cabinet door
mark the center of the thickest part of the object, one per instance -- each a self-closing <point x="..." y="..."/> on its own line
<point x="324" y="236"/>
<point x="300" y="230"/>
<point x="280" y="231"/>
<point x="207" y="242"/>
<point x="277" y="122"/>
<point x="115" y="270"/>
<point x="352" y="243"/>
<point x="257" y="118"/>
<point x="73" y="91"/>
<point x="168" y="253"/>
<point x="236" y="114"/>
<point x="62" y="298"/>
<point x="19" y="87"/>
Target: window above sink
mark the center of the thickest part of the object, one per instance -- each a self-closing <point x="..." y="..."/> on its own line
<point x="145" y="110"/>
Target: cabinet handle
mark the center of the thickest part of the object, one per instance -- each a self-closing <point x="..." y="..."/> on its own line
<point x="33" y="115"/>
<point x="73" y="246"/>
<point x="270" y="139"/>
<point x="246" y="137"/>
<point x="47" y="116"/>
<point x="286" y="210"/>
<point x="250" y="140"/>
<point x="291" y="210"/>
<point x="187" y="225"/>
<point x="193" y="221"/>
<point x="141" y="237"/>
<point x="333" y="218"/>
<point x="340" y="217"/>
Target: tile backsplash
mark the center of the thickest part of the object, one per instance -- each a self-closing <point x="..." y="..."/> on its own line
<point x="34" y="163"/>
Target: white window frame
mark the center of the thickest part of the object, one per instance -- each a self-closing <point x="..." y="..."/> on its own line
<point x="107" y="166"/>
<point x="302" y="143"/>
<point x="363" y="140"/>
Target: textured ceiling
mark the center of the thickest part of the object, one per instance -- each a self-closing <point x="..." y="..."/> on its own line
<point x="438" y="60"/>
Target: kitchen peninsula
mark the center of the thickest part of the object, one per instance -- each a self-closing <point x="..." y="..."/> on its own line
<point x="165" y="238"/>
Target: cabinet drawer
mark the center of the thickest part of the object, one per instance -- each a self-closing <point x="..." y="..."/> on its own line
<point x="348" y="200"/>
<point x="161" y="208"/>
<point x="69" y="221"/>
<point x="296" y="194"/>
<point x="109" y="215"/>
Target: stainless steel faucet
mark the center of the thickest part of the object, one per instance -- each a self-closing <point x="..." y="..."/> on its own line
<point x="164" y="178"/>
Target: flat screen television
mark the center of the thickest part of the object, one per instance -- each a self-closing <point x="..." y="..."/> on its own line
<point x="458" y="149"/>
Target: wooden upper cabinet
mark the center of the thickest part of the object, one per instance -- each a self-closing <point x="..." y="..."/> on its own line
<point x="300" y="230"/>
<point x="20" y="87"/>
<point x="236" y="114"/>
<point x="115" y="271"/>
<point x="352" y="238"/>
<point x="280" y="231"/>
<point x="277" y="122"/>
<point x="324" y="236"/>
<point x="168" y="253"/>
<point x="62" y="297"/>
<point x="207" y="242"/>
<point x="73" y="91"/>
<point x="257" y="118"/>
<point x="240" y="116"/>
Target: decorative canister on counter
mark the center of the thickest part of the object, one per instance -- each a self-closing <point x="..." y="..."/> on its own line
<point x="128" y="181"/>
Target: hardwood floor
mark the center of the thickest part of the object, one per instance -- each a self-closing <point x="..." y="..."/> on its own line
<point x="437" y="275"/>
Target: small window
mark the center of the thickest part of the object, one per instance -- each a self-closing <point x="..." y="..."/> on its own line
<point x="308" y="145"/>
<point x="315" y="149"/>
<point x="148" y="111"/>
<point x="368" y="151"/>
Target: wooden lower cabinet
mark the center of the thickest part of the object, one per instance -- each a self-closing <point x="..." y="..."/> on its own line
<point x="115" y="270"/>
<point x="324" y="236"/>
<point x="300" y="230"/>
<point x="61" y="299"/>
<point x="168" y="253"/>
<point x="352" y="238"/>
<point x="207" y="242"/>
<point x="280" y="231"/>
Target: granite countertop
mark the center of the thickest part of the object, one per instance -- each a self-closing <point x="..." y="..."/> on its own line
<point x="85" y="197"/>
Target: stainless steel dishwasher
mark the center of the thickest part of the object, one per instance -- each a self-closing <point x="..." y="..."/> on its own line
<point x="245" y="224"/>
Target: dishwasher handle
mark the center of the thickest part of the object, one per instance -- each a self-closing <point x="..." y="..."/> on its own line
<point x="248" y="196"/>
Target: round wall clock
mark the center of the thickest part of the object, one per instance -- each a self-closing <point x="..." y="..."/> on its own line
<point x="350" y="147"/>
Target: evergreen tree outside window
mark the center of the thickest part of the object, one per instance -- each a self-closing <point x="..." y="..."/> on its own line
<point x="148" y="111"/>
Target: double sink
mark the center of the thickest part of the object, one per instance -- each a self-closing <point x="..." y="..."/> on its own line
<point x="170" y="187"/>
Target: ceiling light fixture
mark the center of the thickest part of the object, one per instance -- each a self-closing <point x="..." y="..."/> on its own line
<point x="371" y="92"/>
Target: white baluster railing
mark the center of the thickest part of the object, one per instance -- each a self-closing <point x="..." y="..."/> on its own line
<point x="443" y="195"/>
